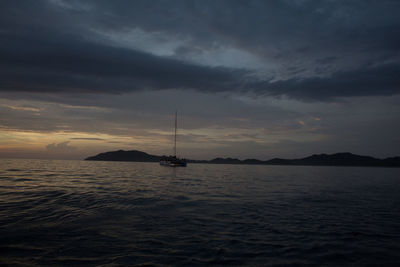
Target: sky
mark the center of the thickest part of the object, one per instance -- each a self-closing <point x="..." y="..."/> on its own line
<point x="250" y="79"/>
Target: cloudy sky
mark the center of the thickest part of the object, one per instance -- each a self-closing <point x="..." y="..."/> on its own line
<point x="250" y="79"/>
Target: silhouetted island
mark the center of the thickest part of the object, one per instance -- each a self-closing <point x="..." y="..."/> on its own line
<point x="338" y="159"/>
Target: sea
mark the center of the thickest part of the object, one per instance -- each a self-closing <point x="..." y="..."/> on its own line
<point x="88" y="213"/>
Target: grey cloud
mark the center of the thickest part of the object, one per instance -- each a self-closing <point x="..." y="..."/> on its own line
<point x="320" y="49"/>
<point x="145" y="110"/>
<point x="91" y="67"/>
<point x="60" y="147"/>
<point x="367" y="81"/>
<point x="267" y="27"/>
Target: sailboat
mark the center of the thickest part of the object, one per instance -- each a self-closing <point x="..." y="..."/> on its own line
<point x="173" y="161"/>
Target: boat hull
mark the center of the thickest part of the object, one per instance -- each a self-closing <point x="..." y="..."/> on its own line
<point x="170" y="163"/>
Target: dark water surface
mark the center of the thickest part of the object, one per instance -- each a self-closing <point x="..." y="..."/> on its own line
<point x="76" y="213"/>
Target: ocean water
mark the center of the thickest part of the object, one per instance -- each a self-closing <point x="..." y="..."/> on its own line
<point x="79" y="213"/>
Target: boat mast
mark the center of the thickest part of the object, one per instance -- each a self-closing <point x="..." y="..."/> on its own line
<point x="176" y="124"/>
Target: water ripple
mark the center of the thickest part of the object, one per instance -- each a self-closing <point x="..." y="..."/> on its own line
<point x="56" y="213"/>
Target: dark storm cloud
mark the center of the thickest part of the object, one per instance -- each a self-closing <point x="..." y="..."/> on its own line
<point x="51" y="46"/>
<point x="368" y="81"/>
<point x="281" y="29"/>
<point x="61" y="63"/>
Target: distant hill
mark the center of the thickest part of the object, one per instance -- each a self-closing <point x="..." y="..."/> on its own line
<point x="122" y="155"/>
<point x="338" y="159"/>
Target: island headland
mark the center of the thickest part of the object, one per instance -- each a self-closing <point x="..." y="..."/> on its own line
<point x="338" y="159"/>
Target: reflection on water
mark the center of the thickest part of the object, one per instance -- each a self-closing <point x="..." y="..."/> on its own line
<point x="120" y="213"/>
